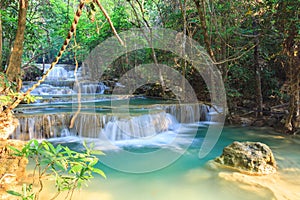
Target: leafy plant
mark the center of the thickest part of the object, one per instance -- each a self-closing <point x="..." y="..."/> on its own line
<point x="8" y="92"/>
<point x="11" y="95"/>
<point x="26" y="194"/>
<point x="69" y="168"/>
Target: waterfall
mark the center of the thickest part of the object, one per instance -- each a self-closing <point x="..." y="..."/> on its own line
<point x="91" y="87"/>
<point x="47" y="89"/>
<point x="41" y="126"/>
<point x="139" y="127"/>
<point x="116" y="126"/>
<point x="160" y="118"/>
<point x="120" y="127"/>
<point x="188" y="113"/>
<point x="58" y="73"/>
<point x="61" y="81"/>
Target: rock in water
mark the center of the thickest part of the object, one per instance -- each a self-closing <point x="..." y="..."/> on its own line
<point x="252" y="158"/>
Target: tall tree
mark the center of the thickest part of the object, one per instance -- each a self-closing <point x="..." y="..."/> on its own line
<point x="257" y="65"/>
<point x="201" y="8"/>
<point x="143" y="22"/>
<point x="288" y="24"/>
<point x="14" y="67"/>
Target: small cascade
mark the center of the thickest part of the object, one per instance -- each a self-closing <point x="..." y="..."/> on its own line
<point x="91" y="88"/>
<point x="120" y="127"/>
<point x="159" y="118"/>
<point x="58" y="73"/>
<point x="61" y="81"/>
<point x="47" y="89"/>
<point x="41" y="126"/>
<point x="92" y="125"/>
<point x="139" y="127"/>
<point x="188" y="113"/>
<point x="89" y="125"/>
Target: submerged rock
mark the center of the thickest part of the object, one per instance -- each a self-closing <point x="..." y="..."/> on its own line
<point x="252" y="158"/>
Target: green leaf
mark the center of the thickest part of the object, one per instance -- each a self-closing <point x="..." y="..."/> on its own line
<point x="58" y="148"/>
<point x="100" y="172"/>
<point x="36" y="144"/>
<point x="76" y="169"/>
<point x="45" y="146"/>
<point x="97" y="152"/>
<point x="68" y="151"/>
<point x="93" y="162"/>
<point x="14" y="193"/>
<point x="18" y="152"/>
<point x="52" y="149"/>
<point x="61" y="165"/>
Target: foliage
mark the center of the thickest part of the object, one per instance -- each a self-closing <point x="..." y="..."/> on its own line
<point x="69" y="168"/>
<point x="8" y="93"/>
<point x="229" y="28"/>
<point x="10" y="96"/>
<point x="236" y="29"/>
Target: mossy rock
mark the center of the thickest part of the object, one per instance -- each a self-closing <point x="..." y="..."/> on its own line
<point x="253" y="158"/>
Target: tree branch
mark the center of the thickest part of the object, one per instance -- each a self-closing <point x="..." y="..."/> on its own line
<point x="110" y="22"/>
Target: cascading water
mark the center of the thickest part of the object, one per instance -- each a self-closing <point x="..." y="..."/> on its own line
<point x="58" y="73"/>
<point x="61" y="81"/>
<point x="91" y="88"/>
<point x="114" y="127"/>
<point x="41" y="126"/>
<point x="51" y="117"/>
<point x="138" y="127"/>
<point x="189" y="113"/>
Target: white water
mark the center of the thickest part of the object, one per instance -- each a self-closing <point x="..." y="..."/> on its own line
<point x="61" y="80"/>
<point x="139" y="127"/>
<point x="58" y="73"/>
<point x="91" y="88"/>
<point x="117" y="126"/>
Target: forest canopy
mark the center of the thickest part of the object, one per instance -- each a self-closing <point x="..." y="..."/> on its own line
<point x="255" y="44"/>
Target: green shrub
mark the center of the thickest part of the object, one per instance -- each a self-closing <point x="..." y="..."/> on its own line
<point x="69" y="168"/>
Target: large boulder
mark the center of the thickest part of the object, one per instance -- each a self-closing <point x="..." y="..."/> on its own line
<point x="252" y="158"/>
<point x="31" y="73"/>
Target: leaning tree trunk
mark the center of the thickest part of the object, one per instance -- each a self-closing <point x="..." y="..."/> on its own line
<point x="13" y="71"/>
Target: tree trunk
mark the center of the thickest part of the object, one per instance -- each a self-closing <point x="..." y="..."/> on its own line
<point x="257" y="69"/>
<point x="201" y="12"/>
<point x="149" y="40"/>
<point x="15" y="60"/>
<point x="184" y="66"/>
<point x="291" y="45"/>
<point x="292" y="122"/>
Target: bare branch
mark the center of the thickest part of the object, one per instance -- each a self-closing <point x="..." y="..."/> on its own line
<point x="234" y="58"/>
<point x="33" y="58"/>
<point x="110" y="22"/>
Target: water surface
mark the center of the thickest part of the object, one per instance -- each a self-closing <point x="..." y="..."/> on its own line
<point x="190" y="178"/>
